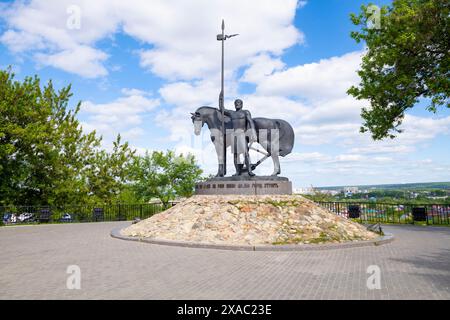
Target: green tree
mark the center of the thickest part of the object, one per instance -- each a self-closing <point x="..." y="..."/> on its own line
<point x="45" y="157"/>
<point x="164" y="176"/>
<point x="42" y="146"/>
<point x="407" y="59"/>
<point x="108" y="173"/>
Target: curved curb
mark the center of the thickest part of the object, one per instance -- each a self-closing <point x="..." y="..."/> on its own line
<point x="115" y="233"/>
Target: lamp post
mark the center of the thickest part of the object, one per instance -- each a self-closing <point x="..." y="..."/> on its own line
<point x="222" y="37"/>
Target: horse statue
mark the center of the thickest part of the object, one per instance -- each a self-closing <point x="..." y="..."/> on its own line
<point x="275" y="136"/>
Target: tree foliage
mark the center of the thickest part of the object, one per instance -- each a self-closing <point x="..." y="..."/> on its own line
<point x="407" y="59"/>
<point x="165" y="176"/>
<point x="42" y="147"/>
<point x="107" y="173"/>
<point x="47" y="159"/>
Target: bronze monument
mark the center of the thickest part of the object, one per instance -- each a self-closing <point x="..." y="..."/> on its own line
<point x="237" y="128"/>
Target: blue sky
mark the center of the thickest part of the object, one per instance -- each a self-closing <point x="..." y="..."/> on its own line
<point x="140" y="67"/>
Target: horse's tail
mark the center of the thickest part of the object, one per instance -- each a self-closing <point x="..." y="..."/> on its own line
<point x="287" y="136"/>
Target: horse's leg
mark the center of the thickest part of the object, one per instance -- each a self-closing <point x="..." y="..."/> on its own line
<point x="217" y="141"/>
<point x="276" y="164"/>
<point x="274" y="147"/>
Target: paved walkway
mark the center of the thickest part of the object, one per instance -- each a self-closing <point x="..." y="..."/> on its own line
<point x="34" y="260"/>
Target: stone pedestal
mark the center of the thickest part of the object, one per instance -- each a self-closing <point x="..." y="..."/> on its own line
<point x="245" y="185"/>
<point x="269" y="220"/>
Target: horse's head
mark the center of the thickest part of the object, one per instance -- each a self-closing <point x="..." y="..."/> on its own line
<point x="198" y="122"/>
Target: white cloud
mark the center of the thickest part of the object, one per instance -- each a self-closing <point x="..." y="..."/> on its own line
<point x="191" y="95"/>
<point x="417" y="129"/>
<point x="81" y="60"/>
<point x="40" y="27"/>
<point x="342" y="109"/>
<point x="21" y="41"/>
<point x="178" y="123"/>
<point x="182" y="33"/>
<point x="124" y="110"/>
<point x="275" y="107"/>
<point x="261" y="66"/>
<point x="133" y="133"/>
<point x="317" y="134"/>
<point x="133" y="92"/>
<point x="188" y="49"/>
<point x="173" y="65"/>
<point x="349" y="157"/>
<point x="307" y="157"/>
<point x="328" y="78"/>
<point x="123" y="115"/>
<point x="377" y="148"/>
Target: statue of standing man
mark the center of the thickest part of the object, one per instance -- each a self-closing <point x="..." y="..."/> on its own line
<point x="243" y="133"/>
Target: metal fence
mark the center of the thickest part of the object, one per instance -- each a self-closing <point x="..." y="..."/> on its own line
<point x="78" y="213"/>
<point x="430" y="214"/>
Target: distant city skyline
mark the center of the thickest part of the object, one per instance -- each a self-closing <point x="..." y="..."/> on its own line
<point x="383" y="185"/>
<point x="135" y="64"/>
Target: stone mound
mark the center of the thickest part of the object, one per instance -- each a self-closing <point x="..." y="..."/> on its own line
<point x="249" y="220"/>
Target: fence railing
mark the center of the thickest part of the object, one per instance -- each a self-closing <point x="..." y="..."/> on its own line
<point x="431" y="214"/>
<point x="372" y="212"/>
<point x="78" y="213"/>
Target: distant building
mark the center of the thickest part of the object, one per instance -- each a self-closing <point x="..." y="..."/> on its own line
<point x="438" y="198"/>
<point x="307" y="190"/>
<point x="351" y="190"/>
<point x="330" y="192"/>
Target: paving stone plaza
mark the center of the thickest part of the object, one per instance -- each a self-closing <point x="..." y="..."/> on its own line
<point x="35" y="259"/>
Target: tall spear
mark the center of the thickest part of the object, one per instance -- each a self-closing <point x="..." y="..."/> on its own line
<point x="222" y="37"/>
